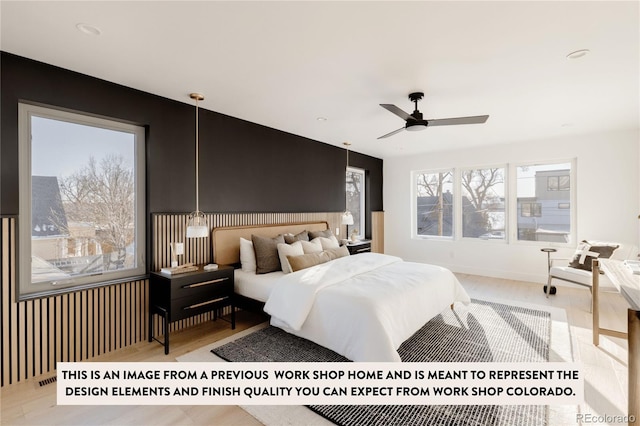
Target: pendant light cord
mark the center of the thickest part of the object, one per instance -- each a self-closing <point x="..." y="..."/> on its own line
<point x="346" y="172"/>
<point x="197" y="161"/>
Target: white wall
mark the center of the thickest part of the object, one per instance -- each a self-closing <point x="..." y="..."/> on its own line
<point x="608" y="202"/>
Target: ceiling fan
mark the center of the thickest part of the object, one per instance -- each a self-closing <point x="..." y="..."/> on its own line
<point x="416" y="122"/>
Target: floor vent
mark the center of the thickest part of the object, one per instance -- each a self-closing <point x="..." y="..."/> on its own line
<point x="48" y="381"/>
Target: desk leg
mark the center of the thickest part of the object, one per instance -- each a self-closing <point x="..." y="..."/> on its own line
<point x="595" y="302"/>
<point x="633" y="330"/>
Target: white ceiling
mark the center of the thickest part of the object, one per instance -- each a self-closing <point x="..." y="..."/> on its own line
<point x="284" y="64"/>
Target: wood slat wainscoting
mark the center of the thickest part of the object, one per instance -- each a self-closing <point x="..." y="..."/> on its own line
<point x="377" y="232"/>
<point x="72" y="327"/>
<point x="167" y="228"/>
<point x="76" y="326"/>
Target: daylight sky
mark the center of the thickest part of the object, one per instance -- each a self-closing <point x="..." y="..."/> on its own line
<point x="79" y="142"/>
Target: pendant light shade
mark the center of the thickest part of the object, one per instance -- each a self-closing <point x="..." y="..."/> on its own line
<point x="347" y="217"/>
<point x="197" y="223"/>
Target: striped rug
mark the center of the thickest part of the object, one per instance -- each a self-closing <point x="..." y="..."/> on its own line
<point x="480" y="332"/>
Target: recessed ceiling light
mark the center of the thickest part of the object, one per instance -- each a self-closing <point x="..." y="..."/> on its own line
<point x="321" y="118"/>
<point x="88" y="29"/>
<point x="578" y="54"/>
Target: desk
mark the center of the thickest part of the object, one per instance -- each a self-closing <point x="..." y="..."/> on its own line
<point x="628" y="285"/>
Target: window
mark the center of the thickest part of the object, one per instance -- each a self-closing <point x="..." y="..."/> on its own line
<point x="531" y="209"/>
<point x="434" y="203"/>
<point x="82" y="209"/>
<point x="544" y="200"/>
<point x="483" y="203"/>
<point x="558" y="183"/>
<point x="355" y="200"/>
<point x="529" y="202"/>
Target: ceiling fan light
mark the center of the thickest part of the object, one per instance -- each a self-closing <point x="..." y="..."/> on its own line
<point x="416" y="127"/>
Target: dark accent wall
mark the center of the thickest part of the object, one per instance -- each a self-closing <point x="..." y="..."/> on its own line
<point x="244" y="167"/>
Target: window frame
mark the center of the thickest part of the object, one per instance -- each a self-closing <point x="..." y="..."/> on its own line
<point x="535" y="212"/>
<point x="511" y="203"/>
<point x="363" y="180"/>
<point x="458" y="213"/>
<point x="414" y="204"/>
<point x="25" y="288"/>
<point x="513" y="194"/>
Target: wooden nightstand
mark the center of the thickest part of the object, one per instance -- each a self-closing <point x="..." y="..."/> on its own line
<point x="362" y="246"/>
<point x="175" y="297"/>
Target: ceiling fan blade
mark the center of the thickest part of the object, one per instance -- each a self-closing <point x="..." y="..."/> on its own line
<point x="392" y="133"/>
<point x="397" y="111"/>
<point x="476" y="119"/>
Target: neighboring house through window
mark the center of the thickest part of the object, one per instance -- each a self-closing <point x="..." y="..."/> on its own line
<point x="544" y="193"/>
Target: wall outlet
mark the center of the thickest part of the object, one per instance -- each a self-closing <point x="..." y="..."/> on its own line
<point x="337" y="231"/>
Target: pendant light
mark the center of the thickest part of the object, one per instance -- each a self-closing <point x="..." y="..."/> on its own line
<point x="347" y="218"/>
<point x="197" y="223"/>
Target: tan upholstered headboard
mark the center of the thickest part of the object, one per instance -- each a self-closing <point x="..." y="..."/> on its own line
<point x="226" y="241"/>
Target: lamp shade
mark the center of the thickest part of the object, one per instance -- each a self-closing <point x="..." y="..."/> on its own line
<point x="347" y="218"/>
<point x="197" y="225"/>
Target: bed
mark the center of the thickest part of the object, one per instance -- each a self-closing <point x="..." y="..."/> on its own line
<point x="362" y="307"/>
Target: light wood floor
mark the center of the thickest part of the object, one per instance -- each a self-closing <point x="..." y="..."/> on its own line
<point x="605" y="367"/>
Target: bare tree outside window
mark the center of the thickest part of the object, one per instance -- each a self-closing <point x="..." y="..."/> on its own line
<point x="435" y="204"/>
<point x="355" y="199"/>
<point x="101" y="195"/>
<point x="483" y="207"/>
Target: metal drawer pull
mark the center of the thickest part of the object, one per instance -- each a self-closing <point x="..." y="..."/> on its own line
<point x="208" y="302"/>
<point x="364" y="249"/>
<point x="205" y="283"/>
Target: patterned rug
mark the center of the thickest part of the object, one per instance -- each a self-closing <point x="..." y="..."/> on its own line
<point x="481" y="332"/>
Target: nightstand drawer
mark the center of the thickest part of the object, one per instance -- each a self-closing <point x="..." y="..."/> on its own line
<point x="186" y="288"/>
<point x="359" y="247"/>
<point x="196" y="304"/>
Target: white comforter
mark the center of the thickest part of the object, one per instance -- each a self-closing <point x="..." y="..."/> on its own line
<point x="362" y="307"/>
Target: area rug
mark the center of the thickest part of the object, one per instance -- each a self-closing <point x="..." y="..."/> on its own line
<point x="489" y="332"/>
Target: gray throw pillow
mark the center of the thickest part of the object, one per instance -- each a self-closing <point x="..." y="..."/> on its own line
<point x="267" y="259"/>
<point x="302" y="236"/>
<point x="315" y="234"/>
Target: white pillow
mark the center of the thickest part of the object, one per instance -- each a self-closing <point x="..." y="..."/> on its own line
<point x="313" y="246"/>
<point x="328" y="243"/>
<point x="284" y="250"/>
<point x="247" y="256"/>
